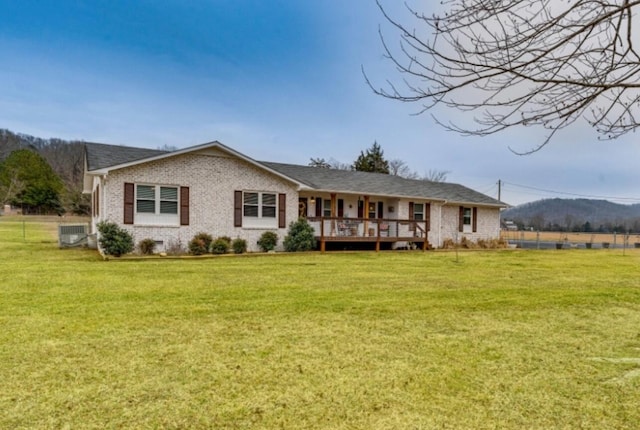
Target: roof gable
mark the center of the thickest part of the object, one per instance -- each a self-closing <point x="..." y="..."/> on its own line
<point x="101" y="158"/>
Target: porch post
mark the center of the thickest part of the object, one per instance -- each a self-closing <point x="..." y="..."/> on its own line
<point x="365" y="214"/>
<point x="426" y="236"/>
<point x="333" y="214"/>
<point x="333" y="205"/>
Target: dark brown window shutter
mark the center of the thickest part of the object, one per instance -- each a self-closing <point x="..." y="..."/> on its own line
<point x="427" y="215"/>
<point x="184" y="205"/>
<point x="282" y="210"/>
<point x="129" y="196"/>
<point x="380" y="209"/>
<point x="461" y="220"/>
<point x="340" y="208"/>
<point x="318" y="206"/>
<point x="237" y="209"/>
<point x="412" y="226"/>
<point x="474" y="220"/>
<point x="360" y="209"/>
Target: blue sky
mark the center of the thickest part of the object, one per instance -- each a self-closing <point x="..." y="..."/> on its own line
<point x="277" y="80"/>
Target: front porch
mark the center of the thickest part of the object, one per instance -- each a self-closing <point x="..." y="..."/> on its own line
<point x="368" y="230"/>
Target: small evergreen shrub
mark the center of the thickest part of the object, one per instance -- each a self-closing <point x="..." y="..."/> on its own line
<point x="301" y="237"/>
<point x="146" y="246"/>
<point x="268" y="241"/>
<point x="226" y="239"/>
<point x="200" y="244"/>
<point x="206" y="238"/>
<point x="220" y="246"/>
<point x="114" y="240"/>
<point x="197" y="247"/>
<point x="239" y="246"/>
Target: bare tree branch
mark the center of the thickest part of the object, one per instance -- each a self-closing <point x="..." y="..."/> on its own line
<point x="436" y="175"/>
<point x="513" y="63"/>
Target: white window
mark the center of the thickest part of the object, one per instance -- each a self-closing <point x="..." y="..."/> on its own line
<point x="467" y="220"/>
<point x="259" y="209"/>
<point x="156" y="205"/>
<point x="466" y="216"/>
<point x="326" y="207"/>
<point x="418" y="211"/>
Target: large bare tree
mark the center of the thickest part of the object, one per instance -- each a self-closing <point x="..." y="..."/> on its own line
<point x="511" y="63"/>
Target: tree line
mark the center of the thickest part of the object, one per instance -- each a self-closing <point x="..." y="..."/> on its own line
<point x="42" y="176"/>
<point x="45" y="176"/>
<point x="373" y="160"/>
<point x="575" y="215"/>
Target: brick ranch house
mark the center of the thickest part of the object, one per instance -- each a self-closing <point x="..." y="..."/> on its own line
<point x="171" y="196"/>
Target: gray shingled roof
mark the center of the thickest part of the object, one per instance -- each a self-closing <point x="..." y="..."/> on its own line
<point x="100" y="155"/>
<point x="349" y="181"/>
<point x="329" y="180"/>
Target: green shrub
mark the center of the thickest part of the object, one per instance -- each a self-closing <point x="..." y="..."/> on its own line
<point x="114" y="240"/>
<point x="268" y="241"/>
<point x="200" y="244"/>
<point x="220" y="246"/>
<point x="226" y="239"/>
<point x="301" y="237"/>
<point x="146" y="246"/>
<point x="239" y="246"/>
<point x="197" y="247"/>
<point x="206" y="238"/>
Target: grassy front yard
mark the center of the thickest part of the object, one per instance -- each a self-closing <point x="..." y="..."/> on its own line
<point x="406" y="340"/>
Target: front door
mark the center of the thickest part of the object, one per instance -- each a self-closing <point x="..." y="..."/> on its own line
<point x="302" y="207"/>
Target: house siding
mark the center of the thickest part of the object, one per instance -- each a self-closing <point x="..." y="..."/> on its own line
<point x="488" y="224"/>
<point x="212" y="177"/>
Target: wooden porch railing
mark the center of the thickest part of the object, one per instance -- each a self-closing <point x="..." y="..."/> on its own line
<point x="337" y="229"/>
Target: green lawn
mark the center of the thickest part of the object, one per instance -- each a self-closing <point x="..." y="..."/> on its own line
<point x="393" y="340"/>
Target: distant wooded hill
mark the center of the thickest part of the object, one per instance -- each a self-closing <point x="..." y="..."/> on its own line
<point x="575" y="215"/>
<point x="65" y="157"/>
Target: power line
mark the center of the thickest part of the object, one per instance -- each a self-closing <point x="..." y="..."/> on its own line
<point x="587" y="196"/>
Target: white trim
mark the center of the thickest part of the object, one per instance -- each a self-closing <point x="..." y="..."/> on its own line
<point x="156" y="218"/>
<point x="260" y="221"/>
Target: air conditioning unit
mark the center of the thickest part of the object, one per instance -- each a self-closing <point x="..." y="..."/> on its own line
<point x="71" y="235"/>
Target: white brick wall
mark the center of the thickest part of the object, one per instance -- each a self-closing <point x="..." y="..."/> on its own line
<point x="212" y="177"/>
<point x="488" y="224"/>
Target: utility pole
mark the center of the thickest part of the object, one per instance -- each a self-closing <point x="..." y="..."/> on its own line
<point x="499" y="188"/>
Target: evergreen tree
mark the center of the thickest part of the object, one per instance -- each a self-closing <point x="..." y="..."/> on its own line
<point x="372" y="161"/>
<point x="27" y="180"/>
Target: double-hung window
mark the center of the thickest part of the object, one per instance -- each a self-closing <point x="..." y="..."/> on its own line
<point x="418" y="211"/>
<point x="326" y="207"/>
<point x="468" y="219"/>
<point x="156" y="204"/>
<point x="259" y="209"/>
